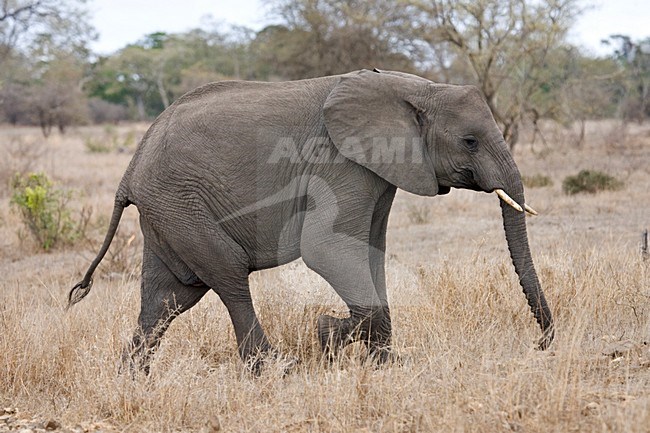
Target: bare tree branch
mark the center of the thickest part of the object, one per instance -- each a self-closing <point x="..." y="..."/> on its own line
<point x="503" y="43"/>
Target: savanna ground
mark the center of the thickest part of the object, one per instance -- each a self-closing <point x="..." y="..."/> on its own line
<point x="461" y="324"/>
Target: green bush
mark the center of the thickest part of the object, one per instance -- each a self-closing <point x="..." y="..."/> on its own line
<point x="590" y="181"/>
<point x="537" y="181"/>
<point x="44" y="211"/>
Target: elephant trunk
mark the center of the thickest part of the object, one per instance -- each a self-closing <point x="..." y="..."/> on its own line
<point x="514" y="224"/>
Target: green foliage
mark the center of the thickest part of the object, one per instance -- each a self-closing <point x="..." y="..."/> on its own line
<point x="633" y="58"/>
<point x="149" y="75"/>
<point x="537" y="181"/>
<point x="44" y="211"/>
<point x="590" y="181"/>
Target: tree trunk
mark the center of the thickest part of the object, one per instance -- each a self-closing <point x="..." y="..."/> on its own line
<point x="139" y="102"/>
<point x="161" y="90"/>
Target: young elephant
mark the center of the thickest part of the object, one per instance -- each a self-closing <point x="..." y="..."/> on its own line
<point x="236" y="176"/>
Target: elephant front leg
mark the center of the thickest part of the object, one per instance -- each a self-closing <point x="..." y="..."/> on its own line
<point x="332" y="334"/>
<point x="379" y="342"/>
<point x="364" y="324"/>
<point x="379" y="345"/>
<point x="335" y="243"/>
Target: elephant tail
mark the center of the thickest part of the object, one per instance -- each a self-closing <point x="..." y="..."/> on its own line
<point x="81" y="289"/>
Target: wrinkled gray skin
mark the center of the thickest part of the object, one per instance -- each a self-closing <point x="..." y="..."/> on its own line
<point x="235" y="177"/>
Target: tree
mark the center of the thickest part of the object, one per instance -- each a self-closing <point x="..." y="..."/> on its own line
<point x="134" y="76"/>
<point x="504" y="44"/>
<point x="14" y="83"/>
<point x="55" y="97"/>
<point x="23" y="22"/>
<point x="634" y="60"/>
<point x="587" y="89"/>
<point x="43" y="51"/>
<point x="150" y="74"/>
<point x="41" y="89"/>
<point x="324" y="37"/>
<point x="131" y="73"/>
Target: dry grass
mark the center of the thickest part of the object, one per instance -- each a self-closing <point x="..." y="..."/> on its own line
<point x="462" y="327"/>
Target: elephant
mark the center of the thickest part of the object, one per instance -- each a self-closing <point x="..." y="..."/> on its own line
<point x="236" y="177"/>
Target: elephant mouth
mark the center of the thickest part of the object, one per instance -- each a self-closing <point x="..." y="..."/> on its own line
<point x="509" y="201"/>
<point x="464" y="179"/>
<point x="442" y="190"/>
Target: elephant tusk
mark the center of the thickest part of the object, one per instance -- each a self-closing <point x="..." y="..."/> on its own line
<point x="530" y="210"/>
<point x="505" y="197"/>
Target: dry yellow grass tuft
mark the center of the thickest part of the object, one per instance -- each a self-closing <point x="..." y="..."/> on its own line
<point x="461" y="326"/>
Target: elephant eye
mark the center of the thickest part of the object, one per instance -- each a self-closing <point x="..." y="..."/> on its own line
<point x="471" y="142"/>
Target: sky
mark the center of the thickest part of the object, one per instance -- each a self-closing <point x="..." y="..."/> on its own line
<point x="120" y="22"/>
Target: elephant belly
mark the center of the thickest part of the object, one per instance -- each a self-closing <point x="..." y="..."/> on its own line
<point x="267" y="223"/>
<point x="271" y="238"/>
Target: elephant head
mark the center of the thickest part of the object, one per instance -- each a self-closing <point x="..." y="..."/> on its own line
<point x="426" y="138"/>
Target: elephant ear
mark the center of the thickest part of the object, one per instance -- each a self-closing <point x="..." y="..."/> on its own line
<point x="376" y="120"/>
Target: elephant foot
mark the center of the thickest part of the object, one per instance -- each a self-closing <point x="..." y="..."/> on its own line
<point x="546" y="339"/>
<point x="383" y="355"/>
<point x="271" y="360"/>
<point x="286" y="365"/>
<point x="135" y="361"/>
<point x="332" y="335"/>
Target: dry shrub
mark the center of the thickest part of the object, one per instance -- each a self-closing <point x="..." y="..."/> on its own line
<point x="20" y="156"/>
<point x="124" y="256"/>
<point x="537" y="181"/>
<point x="419" y="214"/>
<point x="105" y="112"/>
<point x="616" y="137"/>
<point x="112" y="140"/>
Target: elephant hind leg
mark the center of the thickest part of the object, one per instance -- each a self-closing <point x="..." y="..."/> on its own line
<point x="163" y="298"/>
<point x="218" y="261"/>
<point x="252" y="342"/>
